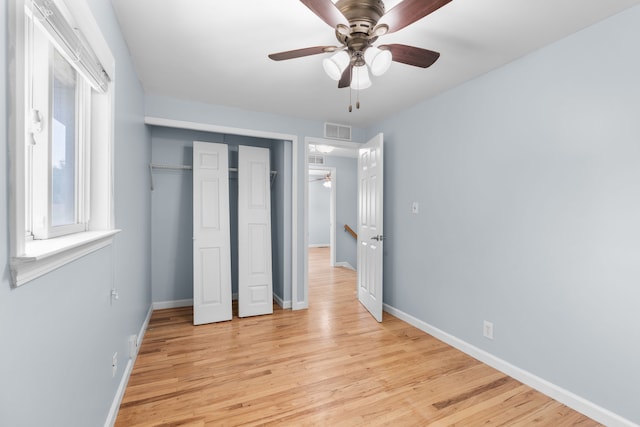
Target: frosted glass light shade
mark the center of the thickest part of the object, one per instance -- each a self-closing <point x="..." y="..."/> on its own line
<point x="336" y="64"/>
<point x="360" y="78"/>
<point x="379" y="60"/>
<point x="324" y="149"/>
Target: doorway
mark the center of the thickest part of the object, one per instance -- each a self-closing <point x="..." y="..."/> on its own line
<point x="331" y="204"/>
<point x="321" y="183"/>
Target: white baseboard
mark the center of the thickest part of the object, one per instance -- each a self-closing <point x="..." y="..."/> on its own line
<point x="282" y="303"/>
<point x="590" y="409"/>
<point x="143" y="329"/>
<point x="345" y="264"/>
<point x="117" y="400"/>
<point x="160" y="305"/>
<point x="319" y="245"/>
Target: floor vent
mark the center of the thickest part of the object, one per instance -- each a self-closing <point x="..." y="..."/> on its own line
<point x="335" y="131"/>
<point x="316" y="159"/>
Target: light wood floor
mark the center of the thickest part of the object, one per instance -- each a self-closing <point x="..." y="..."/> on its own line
<point x="332" y="364"/>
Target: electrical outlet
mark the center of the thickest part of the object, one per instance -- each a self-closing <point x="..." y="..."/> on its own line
<point x="487" y="330"/>
<point x="415" y="207"/>
<point x="114" y="364"/>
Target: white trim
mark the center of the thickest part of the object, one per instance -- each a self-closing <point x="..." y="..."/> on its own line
<point x="305" y="223"/>
<point x="333" y="217"/>
<point x="345" y="264"/>
<point x="16" y="57"/>
<point x="350" y="147"/>
<point x="319" y="245"/>
<point x="117" y="400"/>
<point x="205" y="127"/>
<point x="122" y="387"/>
<point x="143" y="328"/>
<point x="161" y="305"/>
<point x="282" y="303"/>
<point x="33" y="259"/>
<point x="43" y="256"/>
<point x="296" y="302"/>
<point x="295" y="164"/>
<point x="578" y="403"/>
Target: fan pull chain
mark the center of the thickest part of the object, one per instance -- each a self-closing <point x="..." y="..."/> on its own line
<point x="350" y="107"/>
<point x="350" y="77"/>
<point x="357" y="92"/>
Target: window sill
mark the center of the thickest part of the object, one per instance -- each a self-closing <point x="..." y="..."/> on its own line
<point x="43" y="256"/>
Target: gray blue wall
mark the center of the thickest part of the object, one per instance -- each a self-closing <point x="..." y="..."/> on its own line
<point x="319" y="213"/>
<point x="346" y="207"/>
<point x="59" y="332"/>
<point x="529" y="189"/>
<point x="281" y="211"/>
<point x="529" y="197"/>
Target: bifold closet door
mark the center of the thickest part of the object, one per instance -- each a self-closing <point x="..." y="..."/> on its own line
<point x="211" y="234"/>
<point x="255" y="287"/>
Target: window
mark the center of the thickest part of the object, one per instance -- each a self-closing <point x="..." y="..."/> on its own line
<point x="61" y="137"/>
<point x="59" y="105"/>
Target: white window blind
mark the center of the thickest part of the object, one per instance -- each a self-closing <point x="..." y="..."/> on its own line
<point x="71" y="43"/>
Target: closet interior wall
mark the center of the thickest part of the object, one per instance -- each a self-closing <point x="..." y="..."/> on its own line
<point x="172" y="212"/>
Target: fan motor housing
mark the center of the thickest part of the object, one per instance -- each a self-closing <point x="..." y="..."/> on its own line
<point x="362" y="15"/>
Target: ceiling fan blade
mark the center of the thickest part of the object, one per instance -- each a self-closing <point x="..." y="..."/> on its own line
<point x="345" y="80"/>
<point x="327" y="11"/>
<point x="298" y="53"/>
<point x="411" y="55"/>
<point x="409" y="11"/>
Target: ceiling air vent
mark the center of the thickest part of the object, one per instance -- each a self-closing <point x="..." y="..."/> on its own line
<point x="335" y="131"/>
<point x="316" y="159"/>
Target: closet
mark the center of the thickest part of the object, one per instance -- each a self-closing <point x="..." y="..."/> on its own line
<point x="172" y="212"/>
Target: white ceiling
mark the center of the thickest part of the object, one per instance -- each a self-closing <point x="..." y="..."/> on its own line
<point x="215" y="51"/>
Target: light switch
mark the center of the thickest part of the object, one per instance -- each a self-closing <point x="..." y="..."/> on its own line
<point x="414" y="208"/>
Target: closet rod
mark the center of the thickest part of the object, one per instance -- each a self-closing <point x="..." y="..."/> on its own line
<point x="153" y="166"/>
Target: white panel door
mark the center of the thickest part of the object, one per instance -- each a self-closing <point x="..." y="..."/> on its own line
<point x="211" y="234"/>
<point x="370" y="237"/>
<point x="255" y="287"/>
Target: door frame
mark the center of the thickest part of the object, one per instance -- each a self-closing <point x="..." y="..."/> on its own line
<point x="309" y="140"/>
<point x="299" y="289"/>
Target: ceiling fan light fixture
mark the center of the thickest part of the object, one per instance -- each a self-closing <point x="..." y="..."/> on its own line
<point x="336" y="64"/>
<point x="379" y="60"/>
<point x="324" y="149"/>
<point x="360" y="79"/>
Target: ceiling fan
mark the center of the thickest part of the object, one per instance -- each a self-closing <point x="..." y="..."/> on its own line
<point x="326" y="180"/>
<point x="358" y="24"/>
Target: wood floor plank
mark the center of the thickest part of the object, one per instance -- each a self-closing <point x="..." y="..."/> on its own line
<point x="332" y="364"/>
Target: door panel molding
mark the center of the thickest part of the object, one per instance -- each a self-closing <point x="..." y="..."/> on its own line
<point x="211" y="234"/>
